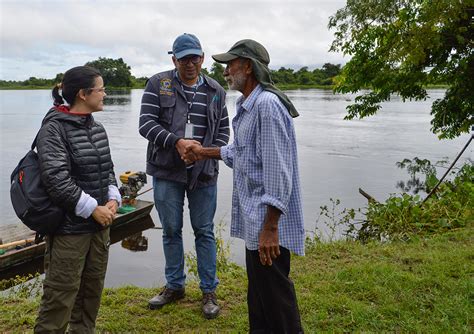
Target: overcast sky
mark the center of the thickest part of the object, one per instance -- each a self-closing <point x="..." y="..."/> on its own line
<point x="43" y="38"/>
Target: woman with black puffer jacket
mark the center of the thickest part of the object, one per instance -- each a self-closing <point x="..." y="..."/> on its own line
<point x="77" y="171"/>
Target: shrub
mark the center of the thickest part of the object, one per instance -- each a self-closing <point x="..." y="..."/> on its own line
<point x="404" y="216"/>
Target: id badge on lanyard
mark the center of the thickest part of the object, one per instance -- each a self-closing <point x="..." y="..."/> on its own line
<point x="189" y="130"/>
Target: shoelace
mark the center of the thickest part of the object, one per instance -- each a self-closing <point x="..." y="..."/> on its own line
<point x="166" y="292"/>
<point x="210" y="297"/>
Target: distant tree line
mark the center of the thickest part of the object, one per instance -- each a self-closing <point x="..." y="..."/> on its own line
<point x="287" y="76"/>
<point x="116" y="73"/>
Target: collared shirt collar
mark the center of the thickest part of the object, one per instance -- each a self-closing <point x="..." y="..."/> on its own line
<point x="247" y="103"/>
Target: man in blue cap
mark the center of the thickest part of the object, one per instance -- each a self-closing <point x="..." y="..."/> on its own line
<point x="181" y="107"/>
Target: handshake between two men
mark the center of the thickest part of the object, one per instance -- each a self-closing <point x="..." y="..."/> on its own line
<point x="192" y="150"/>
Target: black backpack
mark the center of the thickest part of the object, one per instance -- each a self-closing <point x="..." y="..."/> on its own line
<point x="30" y="200"/>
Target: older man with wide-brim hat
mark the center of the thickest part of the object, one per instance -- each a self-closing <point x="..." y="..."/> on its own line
<point x="259" y="57"/>
<point x="266" y="202"/>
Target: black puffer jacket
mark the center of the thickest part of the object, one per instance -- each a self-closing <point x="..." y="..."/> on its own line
<point x="79" y="162"/>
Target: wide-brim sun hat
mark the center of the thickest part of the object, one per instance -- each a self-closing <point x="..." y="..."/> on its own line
<point x="259" y="57"/>
<point x="246" y="48"/>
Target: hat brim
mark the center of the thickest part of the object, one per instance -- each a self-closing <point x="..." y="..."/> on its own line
<point x="184" y="53"/>
<point x="224" y="57"/>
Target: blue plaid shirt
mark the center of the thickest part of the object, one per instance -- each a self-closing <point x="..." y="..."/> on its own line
<point x="265" y="166"/>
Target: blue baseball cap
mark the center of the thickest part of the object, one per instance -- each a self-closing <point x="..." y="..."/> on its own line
<point x="185" y="45"/>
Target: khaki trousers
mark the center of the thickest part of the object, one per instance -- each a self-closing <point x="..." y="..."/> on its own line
<point x="75" y="267"/>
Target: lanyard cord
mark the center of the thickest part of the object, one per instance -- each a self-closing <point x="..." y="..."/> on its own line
<point x="190" y="104"/>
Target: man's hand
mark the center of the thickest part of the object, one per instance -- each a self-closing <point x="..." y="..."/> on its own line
<point x="185" y="151"/>
<point x="103" y="215"/>
<point x="193" y="153"/>
<point x="112" y="205"/>
<point x="268" y="242"/>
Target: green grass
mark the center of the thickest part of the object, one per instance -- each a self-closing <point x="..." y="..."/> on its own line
<point x="423" y="286"/>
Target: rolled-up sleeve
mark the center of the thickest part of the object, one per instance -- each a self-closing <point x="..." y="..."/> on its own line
<point x="85" y="206"/>
<point x="227" y="155"/>
<point x="114" y="194"/>
<point x="277" y="159"/>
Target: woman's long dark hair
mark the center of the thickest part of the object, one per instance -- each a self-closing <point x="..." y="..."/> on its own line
<point x="75" y="79"/>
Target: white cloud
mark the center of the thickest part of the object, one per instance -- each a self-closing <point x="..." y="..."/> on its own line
<point x="42" y="38"/>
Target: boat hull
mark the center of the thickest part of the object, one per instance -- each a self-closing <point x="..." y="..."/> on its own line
<point x="18" y="257"/>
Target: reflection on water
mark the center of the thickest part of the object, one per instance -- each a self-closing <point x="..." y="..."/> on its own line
<point x="135" y="243"/>
<point x="118" y="97"/>
<point x="32" y="267"/>
<point x="336" y="157"/>
<point x="117" y="100"/>
<point x="131" y="229"/>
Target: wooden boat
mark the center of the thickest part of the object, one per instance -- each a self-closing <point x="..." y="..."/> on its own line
<point x="26" y="250"/>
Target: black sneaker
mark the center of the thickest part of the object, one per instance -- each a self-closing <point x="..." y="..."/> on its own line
<point x="165" y="297"/>
<point x="210" y="309"/>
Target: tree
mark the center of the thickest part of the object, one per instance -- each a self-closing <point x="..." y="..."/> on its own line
<point x="331" y="70"/>
<point x="284" y="76"/>
<point x="217" y="73"/>
<point x="400" y="47"/>
<point x="115" y="72"/>
<point x="303" y="77"/>
<point x="139" y="82"/>
<point x="318" y="76"/>
<point x="59" y="77"/>
<point x="38" y="82"/>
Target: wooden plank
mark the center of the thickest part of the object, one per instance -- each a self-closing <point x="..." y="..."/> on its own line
<point x="13" y="244"/>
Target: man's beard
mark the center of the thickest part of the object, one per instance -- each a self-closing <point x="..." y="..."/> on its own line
<point x="237" y="81"/>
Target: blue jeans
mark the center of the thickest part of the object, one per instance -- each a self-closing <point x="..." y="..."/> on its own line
<point x="169" y="202"/>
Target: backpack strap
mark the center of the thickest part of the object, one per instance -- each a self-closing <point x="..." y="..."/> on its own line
<point x="61" y="128"/>
<point x="33" y="144"/>
<point x="63" y="135"/>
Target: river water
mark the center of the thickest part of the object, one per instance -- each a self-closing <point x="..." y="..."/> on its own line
<point x="336" y="157"/>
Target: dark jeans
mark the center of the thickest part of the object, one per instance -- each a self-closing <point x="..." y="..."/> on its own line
<point x="75" y="267"/>
<point x="271" y="295"/>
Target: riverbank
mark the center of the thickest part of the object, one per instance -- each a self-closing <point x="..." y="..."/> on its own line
<point x="50" y="88"/>
<point x="420" y="286"/>
<point x="282" y="87"/>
